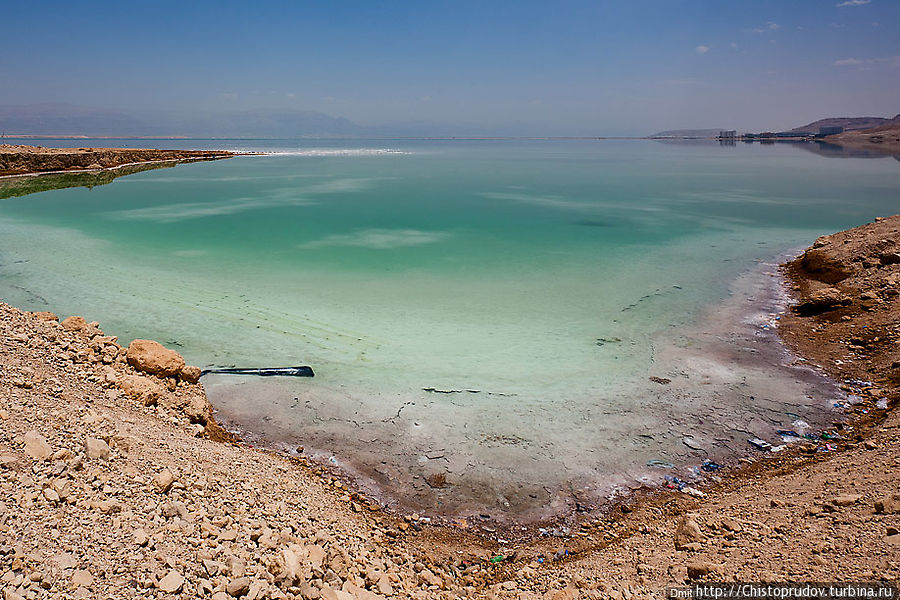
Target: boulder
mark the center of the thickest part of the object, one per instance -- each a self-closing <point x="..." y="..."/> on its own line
<point x="154" y="358"/>
<point x="821" y="301"/>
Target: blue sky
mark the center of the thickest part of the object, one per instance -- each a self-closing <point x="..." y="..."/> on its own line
<point x="566" y="67"/>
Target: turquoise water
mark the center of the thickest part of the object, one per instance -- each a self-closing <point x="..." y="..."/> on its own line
<point x="543" y="273"/>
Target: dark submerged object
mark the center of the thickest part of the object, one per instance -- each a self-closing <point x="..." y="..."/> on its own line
<point x="270" y="372"/>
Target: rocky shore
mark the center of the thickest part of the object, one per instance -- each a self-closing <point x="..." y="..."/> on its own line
<point x="116" y="482"/>
<point x="24" y="160"/>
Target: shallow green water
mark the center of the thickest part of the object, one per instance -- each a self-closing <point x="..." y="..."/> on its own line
<point x="535" y="270"/>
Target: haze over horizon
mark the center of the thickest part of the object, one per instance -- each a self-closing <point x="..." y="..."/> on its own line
<point x="532" y="68"/>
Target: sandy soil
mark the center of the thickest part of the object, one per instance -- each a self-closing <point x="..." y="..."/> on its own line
<point x="115" y="483"/>
<point x="22" y="160"/>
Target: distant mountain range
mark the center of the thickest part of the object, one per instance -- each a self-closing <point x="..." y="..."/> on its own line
<point x="70" y="120"/>
<point x="66" y="119"/>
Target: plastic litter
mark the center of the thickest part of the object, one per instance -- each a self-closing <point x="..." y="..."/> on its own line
<point x="882" y="404"/>
<point x="560" y="554"/>
<point x="710" y="466"/>
<point x="692" y="491"/>
<point x="760" y="444"/>
<point x="498" y="558"/>
<point x="268" y="372"/>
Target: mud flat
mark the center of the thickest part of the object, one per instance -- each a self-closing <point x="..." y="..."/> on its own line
<point x="116" y="482"/>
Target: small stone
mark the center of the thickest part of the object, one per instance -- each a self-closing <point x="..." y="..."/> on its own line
<point x="140" y="537"/>
<point x="238" y="587"/>
<point x="308" y="592"/>
<point x="699" y="570"/>
<point x="384" y="586"/>
<point x="51" y="495"/>
<point x="426" y="577"/>
<point x="36" y="446"/>
<point x="846" y="499"/>
<point x="822" y="300"/>
<point x="142" y="389"/>
<point x="316" y="555"/>
<point x="888" y="505"/>
<point x="62" y="454"/>
<point x="190" y="373"/>
<point x="74" y="323"/>
<point x="44" y="316"/>
<point x="96" y="449"/>
<point x="82" y="578"/>
<point x="198" y="410"/>
<point x="163" y="480"/>
<point x="688" y="535"/>
<point x="64" y="561"/>
<point x="172" y="582"/>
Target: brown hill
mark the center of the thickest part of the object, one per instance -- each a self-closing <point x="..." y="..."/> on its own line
<point x="885" y="138"/>
<point x="848" y="123"/>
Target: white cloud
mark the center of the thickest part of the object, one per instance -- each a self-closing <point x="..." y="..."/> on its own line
<point x="378" y="239"/>
<point x="702" y="49"/>
<point x="890" y="61"/>
<point x="853" y="3"/>
<point x="770" y="26"/>
<point x="733" y="45"/>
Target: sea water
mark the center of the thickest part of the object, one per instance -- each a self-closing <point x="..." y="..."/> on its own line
<point x="483" y="316"/>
